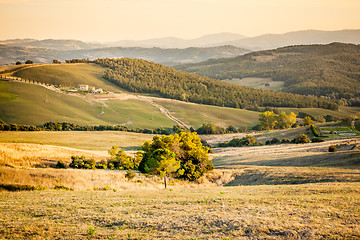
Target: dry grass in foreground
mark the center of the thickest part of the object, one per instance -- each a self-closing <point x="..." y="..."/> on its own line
<point x="35" y="155"/>
<point x="309" y="211"/>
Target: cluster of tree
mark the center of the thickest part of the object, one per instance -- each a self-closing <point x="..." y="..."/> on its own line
<point x="138" y="75"/>
<point x="87" y="60"/>
<point x="321" y="118"/>
<point x="239" y="142"/>
<point x="56" y="61"/>
<point x="269" y="120"/>
<point x="181" y="155"/>
<point x="210" y="128"/>
<point x="331" y="70"/>
<point x="15" y="127"/>
<point x="120" y="160"/>
<point x="252" y="141"/>
<point x="65" y="126"/>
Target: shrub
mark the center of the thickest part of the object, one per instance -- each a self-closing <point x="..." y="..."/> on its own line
<point x="314" y="140"/>
<point x="130" y="174"/>
<point x="313" y="130"/>
<point x="286" y="140"/>
<point x="332" y="148"/>
<point x="61" y="187"/>
<point x="239" y="142"/>
<point x="60" y="164"/>
<point x="82" y="163"/>
<point x="102" y="165"/>
<point x="302" y="138"/>
<point x="275" y="141"/>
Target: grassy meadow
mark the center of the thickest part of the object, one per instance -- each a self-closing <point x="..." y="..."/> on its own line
<point x="23" y="103"/>
<point x="70" y="75"/>
<point x="197" y="114"/>
<point x="258" y="83"/>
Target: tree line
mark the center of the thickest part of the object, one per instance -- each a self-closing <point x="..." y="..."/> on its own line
<point x="141" y="76"/>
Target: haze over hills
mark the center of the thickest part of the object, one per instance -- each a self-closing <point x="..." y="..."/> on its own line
<point x="55" y="44"/>
<point x="271" y="41"/>
<point x="10" y="54"/>
<point x="210" y="40"/>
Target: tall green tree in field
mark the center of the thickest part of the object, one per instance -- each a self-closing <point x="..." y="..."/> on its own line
<point x="267" y="120"/>
<point x="188" y="150"/>
<point x="162" y="162"/>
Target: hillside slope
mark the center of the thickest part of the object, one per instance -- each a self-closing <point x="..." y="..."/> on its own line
<point x="70" y="75"/>
<point x="321" y="70"/>
<point x="24" y="103"/>
<point x="142" y="76"/>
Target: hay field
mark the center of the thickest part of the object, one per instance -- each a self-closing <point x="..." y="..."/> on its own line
<point x="309" y="211"/>
<point x="92" y="140"/>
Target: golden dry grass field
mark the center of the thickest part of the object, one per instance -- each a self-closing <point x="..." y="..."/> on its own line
<point x="309" y="211"/>
<point x="284" y="191"/>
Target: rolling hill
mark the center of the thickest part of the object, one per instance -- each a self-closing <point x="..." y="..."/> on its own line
<point x="70" y="75"/>
<point x="24" y="103"/>
<point x="331" y="70"/>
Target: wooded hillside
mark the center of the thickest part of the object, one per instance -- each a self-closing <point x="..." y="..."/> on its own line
<point x="142" y="76"/>
<point x="331" y="70"/>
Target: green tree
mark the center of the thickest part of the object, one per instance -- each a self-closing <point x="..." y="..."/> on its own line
<point x="29" y="62"/>
<point x="120" y="160"/>
<point x="162" y="162"/>
<point x="18" y="63"/>
<point x="267" y="120"/>
<point x="188" y="150"/>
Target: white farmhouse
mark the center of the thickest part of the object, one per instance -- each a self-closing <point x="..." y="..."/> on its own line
<point x="84" y="87"/>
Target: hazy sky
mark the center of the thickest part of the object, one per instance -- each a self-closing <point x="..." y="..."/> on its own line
<point x="111" y="20"/>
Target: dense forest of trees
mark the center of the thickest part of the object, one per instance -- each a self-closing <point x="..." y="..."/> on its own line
<point x="142" y="76"/>
<point x="331" y="70"/>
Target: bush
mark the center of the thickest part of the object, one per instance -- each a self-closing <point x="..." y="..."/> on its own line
<point x="302" y="138"/>
<point x="332" y="148"/>
<point x="60" y="164"/>
<point x="82" y="163"/>
<point x="286" y="140"/>
<point x="130" y="174"/>
<point x="239" y="142"/>
<point x="275" y="141"/>
<point x="314" y="140"/>
<point x="313" y="130"/>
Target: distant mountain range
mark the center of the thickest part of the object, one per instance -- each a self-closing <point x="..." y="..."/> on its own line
<point x="170" y="57"/>
<point x="170" y="50"/>
<point x="271" y="41"/>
